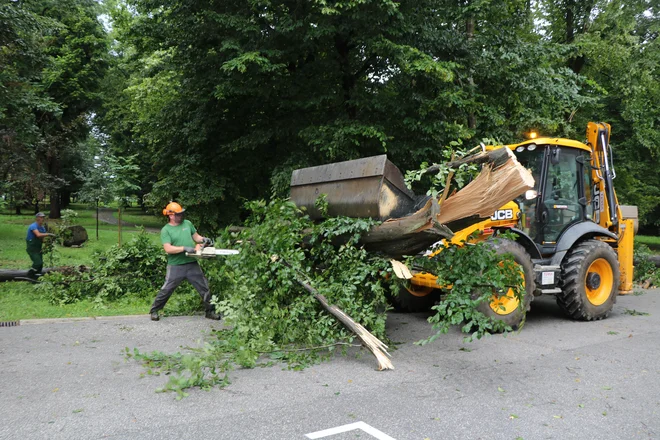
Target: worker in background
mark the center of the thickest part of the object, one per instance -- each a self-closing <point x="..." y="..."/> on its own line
<point x="36" y="233"/>
<point x="179" y="237"/>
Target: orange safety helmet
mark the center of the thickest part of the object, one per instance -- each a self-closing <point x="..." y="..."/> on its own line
<point x="173" y="208"/>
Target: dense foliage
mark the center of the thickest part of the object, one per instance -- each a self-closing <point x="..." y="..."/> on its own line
<point x="302" y="83"/>
<point x="52" y="60"/>
<point x="106" y="279"/>
<point x="195" y="91"/>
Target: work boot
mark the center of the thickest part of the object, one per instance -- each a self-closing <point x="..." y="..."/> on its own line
<point x="154" y="316"/>
<point x="210" y="314"/>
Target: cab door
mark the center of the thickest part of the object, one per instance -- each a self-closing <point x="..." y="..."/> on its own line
<point x="563" y="200"/>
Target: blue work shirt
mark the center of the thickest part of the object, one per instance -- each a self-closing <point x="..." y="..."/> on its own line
<point x="32" y="227"/>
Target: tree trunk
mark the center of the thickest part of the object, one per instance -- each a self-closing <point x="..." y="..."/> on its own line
<point x="55" y="202"/>
<point x="97" y="219"/>
<point x="119" y="225"/>
<point x="469" y="31"/>
<point x="343" y="47"/>
<point x="66" y="198"/>
<point x="55" y="207"/>
<point x="25" y="275"/>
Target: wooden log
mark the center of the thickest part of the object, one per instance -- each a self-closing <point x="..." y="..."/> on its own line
<point x="407" y="235"/>
<point x="655" y="259"/>
<point x="20" y="274"/>
<point x="28" y="275"/>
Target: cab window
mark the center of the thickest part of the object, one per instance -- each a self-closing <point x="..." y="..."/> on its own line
<point x="562" y="191"/>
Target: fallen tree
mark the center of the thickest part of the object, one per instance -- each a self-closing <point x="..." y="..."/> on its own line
<point x="374" y="187"/>
<point x="267" y="307"/>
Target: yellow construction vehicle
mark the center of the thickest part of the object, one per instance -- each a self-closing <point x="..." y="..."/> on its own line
<point x="571" y="238"/>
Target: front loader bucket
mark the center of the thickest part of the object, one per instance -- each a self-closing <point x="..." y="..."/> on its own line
<point x="369" y="187"/>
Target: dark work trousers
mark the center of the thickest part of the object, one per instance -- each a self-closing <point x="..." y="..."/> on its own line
<point x="175" y="275"/>
<point x="34" y="251"/>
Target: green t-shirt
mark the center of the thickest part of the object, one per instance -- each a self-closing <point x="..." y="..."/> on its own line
<point x="179" y="235"/>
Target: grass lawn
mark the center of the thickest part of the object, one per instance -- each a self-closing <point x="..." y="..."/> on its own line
<point x="18" y="300"/>
<point x="13" y="229"/>
<point x="651" y="241"/>
<point x="136" y="216"/>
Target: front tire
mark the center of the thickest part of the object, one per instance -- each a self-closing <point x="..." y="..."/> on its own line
<point x="506" y="308"/>
<point x="590" y="281"/>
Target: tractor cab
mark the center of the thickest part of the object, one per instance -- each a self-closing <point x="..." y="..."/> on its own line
<point x="562" y="195"/>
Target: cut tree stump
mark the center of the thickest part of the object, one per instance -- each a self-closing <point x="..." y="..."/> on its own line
<point x="75" y="236"/>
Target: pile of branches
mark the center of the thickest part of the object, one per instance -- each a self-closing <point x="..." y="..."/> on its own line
<point x="268" y="294"/>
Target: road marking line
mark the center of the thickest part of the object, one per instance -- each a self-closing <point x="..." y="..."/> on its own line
<point x="350" y="427"/>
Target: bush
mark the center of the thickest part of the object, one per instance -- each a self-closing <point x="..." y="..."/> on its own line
<point x="265" y="305"/>
<point x="645" y="269"/>
<point x="137" y="268"/>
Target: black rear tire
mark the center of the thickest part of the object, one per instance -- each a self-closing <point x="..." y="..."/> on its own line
<point x="413" y="298"/>
<point x="590" y="281"/>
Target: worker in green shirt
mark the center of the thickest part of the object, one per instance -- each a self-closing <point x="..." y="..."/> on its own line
<point x="179" y="237"/>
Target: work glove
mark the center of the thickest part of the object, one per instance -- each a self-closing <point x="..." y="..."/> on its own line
<point x="189" y="249"/>
<point x="207" y="242"/>
<point x="50" y="234"/>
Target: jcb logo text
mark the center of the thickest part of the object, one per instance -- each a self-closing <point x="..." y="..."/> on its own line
<point x="502" y="214"/>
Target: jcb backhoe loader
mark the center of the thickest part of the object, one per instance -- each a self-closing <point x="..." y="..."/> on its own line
<point x="571" y="238"/>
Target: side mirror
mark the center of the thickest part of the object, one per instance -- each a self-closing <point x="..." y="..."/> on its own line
<point x="554" y="156"/>
<point x="531" y="194"/>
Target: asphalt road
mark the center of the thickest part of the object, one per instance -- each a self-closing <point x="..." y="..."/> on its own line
<point x="557" y="379"/>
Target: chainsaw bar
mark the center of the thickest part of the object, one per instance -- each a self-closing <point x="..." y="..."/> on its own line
<point x="210" y="252"/>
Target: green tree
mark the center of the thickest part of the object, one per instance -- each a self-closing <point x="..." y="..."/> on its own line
<point x="52" y="59"/>
<point x="225" y="99"/>
<point x="22" y="59"/>
<point x="614" y="45"/>
<point x="250" y="91"/>
<point x="77" y="51"/>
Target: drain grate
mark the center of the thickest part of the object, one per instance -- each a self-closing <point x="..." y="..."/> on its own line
<point x="10" y="323"/>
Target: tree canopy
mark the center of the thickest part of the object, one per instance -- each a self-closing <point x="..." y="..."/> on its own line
<point x="53" y="56"/>
<point x="218" y="101"/>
